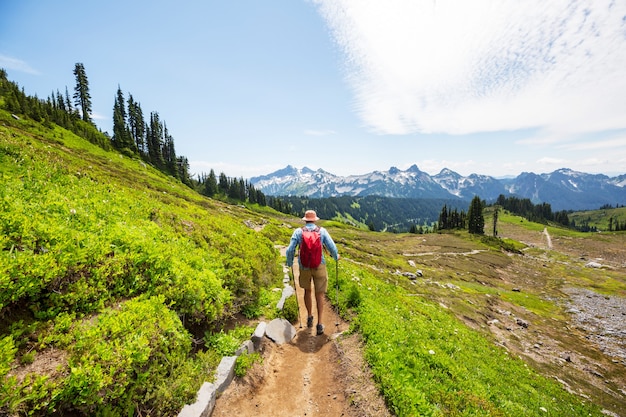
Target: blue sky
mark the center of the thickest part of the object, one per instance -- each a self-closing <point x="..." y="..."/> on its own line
<point x="350" y="86"/>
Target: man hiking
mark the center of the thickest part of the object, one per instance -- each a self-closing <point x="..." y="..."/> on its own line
<point x="310" y="238"/>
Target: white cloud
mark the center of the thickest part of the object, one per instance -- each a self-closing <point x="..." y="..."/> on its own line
<point x="462" y="67"/>
<point x="10" y="63"/>
<point x="616" y="143"/>
<point x="98" y="116"/>
<point x="433" y="166"/>
<point x="552" y="161"/>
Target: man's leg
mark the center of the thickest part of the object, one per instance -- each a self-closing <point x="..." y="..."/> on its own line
<point x="319" y="301"/>
<point x="308" y="302"/>
<point x="305" y="283"/>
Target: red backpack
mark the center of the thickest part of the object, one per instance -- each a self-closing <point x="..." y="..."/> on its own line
<point x="311" y="247"/>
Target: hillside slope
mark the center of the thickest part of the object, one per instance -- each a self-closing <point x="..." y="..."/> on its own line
<point x="96" y="246"/>
<point x="113" y="277"/>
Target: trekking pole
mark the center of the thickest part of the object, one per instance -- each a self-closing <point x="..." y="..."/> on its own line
<point x="337" y="292"/>
<point x="295" y="294"/>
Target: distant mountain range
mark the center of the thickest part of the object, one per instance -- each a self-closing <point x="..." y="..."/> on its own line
<point x="563" y="189"/>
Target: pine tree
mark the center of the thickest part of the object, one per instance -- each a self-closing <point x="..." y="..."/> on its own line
<point x="182" y="164"/>
<point x="68" y="104"/>
<point x="443" y="218"/>
<point x="476" y="221"/>
<point x="169" y="153"/>
<point x="137" y="126"/>
<point x="154" y="139"/>
<point x="495" y="220"/>
<point x="82" y="98"/>
<point x="210" y="185"/>
<point x="121" y="133"/>
<point x="223" y="185"/>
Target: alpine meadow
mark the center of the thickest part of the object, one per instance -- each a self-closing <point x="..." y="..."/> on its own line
<point x="122" y="285"/>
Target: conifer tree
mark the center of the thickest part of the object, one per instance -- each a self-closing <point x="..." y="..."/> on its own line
<point x="210" y="185"/>
<point x="82" y="98"/>
<point x="476" y="221"/>
<point x="223" y="185"/>
<point x="121" y="133"/>
<point x="182" y="164"/>
<point x="68" y="103"/>
<point x="137" y="126"/>
<point x="443" y="218"/>
<point x="169" y="153"/>
<point x="154" y="139"/>
<point x="495" y="220"/>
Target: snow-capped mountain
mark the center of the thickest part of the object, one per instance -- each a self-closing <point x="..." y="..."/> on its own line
<point x="564" y="189"/>
<point x="291" y="181"/>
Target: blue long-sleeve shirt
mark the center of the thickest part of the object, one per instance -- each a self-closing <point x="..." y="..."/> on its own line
<point x="296" y="239"/>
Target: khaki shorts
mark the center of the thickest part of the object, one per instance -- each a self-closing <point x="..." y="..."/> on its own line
<point x="318" y="275"/>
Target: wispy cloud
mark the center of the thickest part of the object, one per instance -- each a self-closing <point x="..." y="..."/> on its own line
<point x="98" y="116"/>
<point x="552" y="161"/>
<point x="462" y="67"/>
<point x="616" y="143"/>
<point x="10" y="63"/>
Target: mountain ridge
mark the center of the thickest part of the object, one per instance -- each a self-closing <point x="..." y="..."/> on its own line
<point x="564" y="188"/>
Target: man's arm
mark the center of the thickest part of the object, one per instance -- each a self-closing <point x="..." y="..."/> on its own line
<point x="328" y="242"/>
<point x="291" y="249"/>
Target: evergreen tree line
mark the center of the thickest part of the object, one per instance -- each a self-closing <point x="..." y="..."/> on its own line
<point x="58" y="108"/>
<point x="609" y="206"/>
<point x="473" y="221"/>
<point x="150" y="140"/>
<point x="451" y="219"/>
<point x="616" y="226"/>
<point x="239" y="189"/>
<point x="539" y="213"/>
<point x="133" y="135"/>
<point x="396" y="215"/>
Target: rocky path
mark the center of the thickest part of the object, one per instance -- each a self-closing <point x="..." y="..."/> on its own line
<point x="310" y="376"/>
<point x="301" y="378"/>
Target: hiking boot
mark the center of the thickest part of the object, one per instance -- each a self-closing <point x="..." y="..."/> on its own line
<point x="320" y="329"/>
<point x="309" y="321"/>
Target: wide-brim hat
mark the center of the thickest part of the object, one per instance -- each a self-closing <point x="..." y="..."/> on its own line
<point x="310" y="216"/>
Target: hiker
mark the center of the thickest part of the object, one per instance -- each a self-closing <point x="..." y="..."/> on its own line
<point x="312" y="269"/>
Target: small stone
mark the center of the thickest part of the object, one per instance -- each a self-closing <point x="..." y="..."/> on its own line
<point x="522" y="323"/>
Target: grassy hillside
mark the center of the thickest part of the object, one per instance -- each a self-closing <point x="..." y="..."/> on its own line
<point x="105" y="268"/>
<point x="473" y="334"/>
<point x="600" y="218"/>
<point x="111" y="273"/>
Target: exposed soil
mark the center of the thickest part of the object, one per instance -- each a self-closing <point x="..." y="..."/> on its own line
<point x="310" y="376"/>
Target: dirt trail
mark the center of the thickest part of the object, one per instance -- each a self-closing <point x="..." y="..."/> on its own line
<point x="548" y="238"/>
<point x="301" y="378"/>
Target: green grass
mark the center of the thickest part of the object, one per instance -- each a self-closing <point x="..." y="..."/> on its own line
<point x="88" y="234"/>
<point x="599" y="218"/>
<point x="428" y="363"/>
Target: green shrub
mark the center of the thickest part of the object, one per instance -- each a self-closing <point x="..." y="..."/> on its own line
<point x="290" y="310"/>
<point x="262" y="306"/>
<point x="126" y="351"/>
<point x="245" y="361"/>
<point x="354" y="297"/>
<point x="226" y="344"/>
